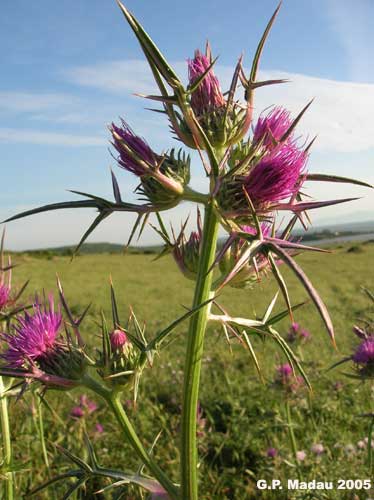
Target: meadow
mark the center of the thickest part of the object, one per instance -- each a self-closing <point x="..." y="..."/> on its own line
<point x="242" y="417"/>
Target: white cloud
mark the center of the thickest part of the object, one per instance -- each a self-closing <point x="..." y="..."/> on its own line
<point x="32" y="101"/>
<point x="341" y="115"/>
<point x="352" y="22"/>
<point x="29" y="136"/>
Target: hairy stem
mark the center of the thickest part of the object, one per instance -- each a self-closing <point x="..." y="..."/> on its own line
<point x="7" y="445"/>
<point x="195" y="346"/>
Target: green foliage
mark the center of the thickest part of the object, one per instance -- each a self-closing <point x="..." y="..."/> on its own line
<point x="241" y="418"/>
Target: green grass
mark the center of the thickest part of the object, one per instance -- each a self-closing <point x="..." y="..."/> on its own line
<point x="242" y="416"/>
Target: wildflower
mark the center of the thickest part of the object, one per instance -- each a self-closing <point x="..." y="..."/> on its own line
<point x="285" y="378"/>
<point x="84" y="408"/>
<point x="162" y="177"/>
<point x="118" y="339"/>
<point x="364" y="354"/>
<point x="186" y="252"/>
<point x="77" y="412"/>
<point x="270" y="129"/>
<point x="361" y="445"/>
<point x="296" y="333"/>
<point x="37" y="350"/>
<point x="99" y="428"/>
<point x="317" y="449"/>
<point x="253" y="270"/>
<point x="300" y="455"/>
<point x="271" y="452"/>
<point x="4" y="295"/>
<point x="208" y="95"/>
<point x="364" y="357"/>
<point x="275" y="177"/>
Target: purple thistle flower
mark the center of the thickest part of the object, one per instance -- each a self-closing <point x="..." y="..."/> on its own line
<point x="271" y="452"/>
<point x="208" y="96"/>
<point x="77" y="412"/>
<point x="37" y="351"/>
<point x="134" y="153"/>
<point x="4" y="295"/>
<point x="35" y="336"/>
<point x="284" y="371"/>
<point x="364" y="354"/>
<point x="272" y="127"/>
<point x="99" y="428"/>
<point x="118" y="339"/>
<point x="275" y="177"/>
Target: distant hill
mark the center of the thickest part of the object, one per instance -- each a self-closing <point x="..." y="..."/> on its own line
<point x="93" y="248"/>
<point x="313" y="233"/>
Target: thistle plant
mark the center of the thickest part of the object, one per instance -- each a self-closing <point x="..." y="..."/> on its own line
<point x="252" y="177"/>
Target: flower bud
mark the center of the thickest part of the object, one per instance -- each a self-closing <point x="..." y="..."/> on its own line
<point x="220" y="120"/>
<point x="118" y="339"/>
<point x="119" y="366"/>
<point x="249" y="274"/>
<point x="186" y="254"/>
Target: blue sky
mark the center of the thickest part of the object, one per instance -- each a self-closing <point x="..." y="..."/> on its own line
<point x="69" y="68"/>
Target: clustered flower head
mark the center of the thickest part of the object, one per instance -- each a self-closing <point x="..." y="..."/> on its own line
<point x="37" y="350"/>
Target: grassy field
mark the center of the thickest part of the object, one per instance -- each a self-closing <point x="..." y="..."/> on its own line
<point x="241" y="417"/>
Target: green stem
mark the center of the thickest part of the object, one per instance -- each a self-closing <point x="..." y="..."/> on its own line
<point x="7" y="445"/>
<point x="194" y="196"/>
<point x="370" y="451"/>
<point x="194" y="354"/>
<point x="112" y="399"/>
<point x="116" y="406"/>
<point x="292" y="437"/>
<point x="39" y="410"/>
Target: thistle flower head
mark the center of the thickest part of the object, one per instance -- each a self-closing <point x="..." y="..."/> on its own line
<point x="118" y="339"/>
<point x="34" y="337"/>
<point x="270" y="129"/>
<point x="275" y="177"/>
<point x="271" y="452"/>
<point x="186" y="251"/>
<point x="135" y="155"/>
<point x="208" y="95"/>
<point x="364" y="354"/>
<point x="252" y="271"/>
<point x="4" y="295"/>
<point x="37" y="350"/>
<point x="162" y="177"/>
